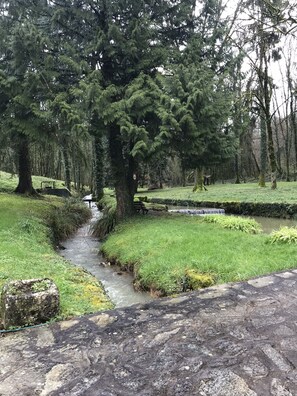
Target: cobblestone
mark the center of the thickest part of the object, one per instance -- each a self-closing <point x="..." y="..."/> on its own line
<point x="232" y="340"/>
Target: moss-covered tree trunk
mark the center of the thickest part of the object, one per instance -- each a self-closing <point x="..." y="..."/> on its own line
<point x="272" y="159"/>
<point x="198" y="180"/>
<point x="25" y="185"/>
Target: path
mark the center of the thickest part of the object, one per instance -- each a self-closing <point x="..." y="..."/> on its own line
<point x="231" y="340"/>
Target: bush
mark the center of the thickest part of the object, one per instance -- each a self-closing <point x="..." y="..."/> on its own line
<point x="247" y="225"/>
<point x="284" y="235"/>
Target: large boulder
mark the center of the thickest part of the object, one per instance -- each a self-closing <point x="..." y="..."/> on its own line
<point x="29" y="302"/>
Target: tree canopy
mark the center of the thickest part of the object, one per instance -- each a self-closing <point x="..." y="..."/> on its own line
<point x="139" y="80"/>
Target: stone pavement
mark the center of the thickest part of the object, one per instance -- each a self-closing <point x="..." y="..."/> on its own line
<point x="232" y="340"/>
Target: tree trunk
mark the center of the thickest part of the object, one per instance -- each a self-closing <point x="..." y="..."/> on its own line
<point x="198" y="180"/>
<point x="25" y="185"/>
<point x="99" y="174"/>
<point x="236" y="165"/>
<point x="183" y="172"/>
<point x="67" y="166"/>
<point x="271" y="153"/>
<point x="263" y="151"/>
<point x="121" y="174"/>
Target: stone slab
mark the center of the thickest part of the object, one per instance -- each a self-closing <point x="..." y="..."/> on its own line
<point x="220" y="345"/>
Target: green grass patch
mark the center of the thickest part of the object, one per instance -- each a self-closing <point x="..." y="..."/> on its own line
<point x="247" y="192"/>
<point x="162" y="250"/>
<point x="8" y="182"/>
<point x="26" y="251"/>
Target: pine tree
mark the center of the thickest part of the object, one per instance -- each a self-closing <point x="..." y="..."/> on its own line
<point x="124" y="43"/>
<point x="22" y="51"/>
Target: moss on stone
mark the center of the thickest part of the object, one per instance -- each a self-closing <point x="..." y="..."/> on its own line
<point x="196" y="280"/>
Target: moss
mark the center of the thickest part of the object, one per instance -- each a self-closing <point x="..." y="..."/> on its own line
<point x="195" y="280"/>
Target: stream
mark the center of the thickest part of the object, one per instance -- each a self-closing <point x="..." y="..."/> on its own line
<point x="83" y="250"/>
<point x="268" y="224"/>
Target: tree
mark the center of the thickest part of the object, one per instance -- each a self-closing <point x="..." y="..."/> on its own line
<point x="22" y="52"/>
<point x="201" y="86"/>
<point x="124" y="43"/>
<point x="265" y="38"/>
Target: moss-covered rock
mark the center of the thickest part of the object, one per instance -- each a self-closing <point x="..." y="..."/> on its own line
<point x="29" y="302"/>
<point x="195" y="280"/>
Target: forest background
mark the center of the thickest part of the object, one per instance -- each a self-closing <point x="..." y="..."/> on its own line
<point x="147" y="93"/>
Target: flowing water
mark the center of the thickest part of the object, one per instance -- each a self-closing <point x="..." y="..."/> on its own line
<point x="83" y="250"/>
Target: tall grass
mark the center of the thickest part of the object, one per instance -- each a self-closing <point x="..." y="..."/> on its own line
<point x="26" y="251"/>
<point x="162" y="250"/>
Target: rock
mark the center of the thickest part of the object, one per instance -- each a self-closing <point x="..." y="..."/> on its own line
<point x="29" y="302"/>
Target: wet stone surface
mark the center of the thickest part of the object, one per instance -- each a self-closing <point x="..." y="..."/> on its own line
<point x="231" y="340"/>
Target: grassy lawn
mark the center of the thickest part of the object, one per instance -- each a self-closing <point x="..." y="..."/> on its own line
<point x="26" y="253"/>
<point x="249" y="192"/>
<point x="8" y="182"/>
<point x="162" y="249"/>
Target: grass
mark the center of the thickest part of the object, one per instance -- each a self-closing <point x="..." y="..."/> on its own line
<point x="163" y="249"/>
<point x="26" y="253"/>
<point x="249" y="192"/>
<point x="8" y="182"/>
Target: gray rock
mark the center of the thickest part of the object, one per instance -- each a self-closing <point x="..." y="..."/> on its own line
<point x="225" y="383"/>
<point x="29" y="302"/>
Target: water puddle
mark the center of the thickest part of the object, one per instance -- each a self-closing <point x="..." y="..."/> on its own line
<point x="83" y="250"/>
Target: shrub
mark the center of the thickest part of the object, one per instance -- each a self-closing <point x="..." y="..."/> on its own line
<point x="247" y="225"/>
<point x="284" y="235"/>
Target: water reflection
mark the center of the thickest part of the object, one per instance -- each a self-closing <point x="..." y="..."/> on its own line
<point x="271" y="223"/>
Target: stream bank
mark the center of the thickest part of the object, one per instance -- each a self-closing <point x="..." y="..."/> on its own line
<point x="82" y="250"/>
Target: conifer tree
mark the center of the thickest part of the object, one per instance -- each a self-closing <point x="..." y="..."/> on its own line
<point x="124" y="43"/>
<point x="22" y="82"/>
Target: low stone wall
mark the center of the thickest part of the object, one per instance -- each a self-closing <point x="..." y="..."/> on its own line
<point x="280" y="210"/>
